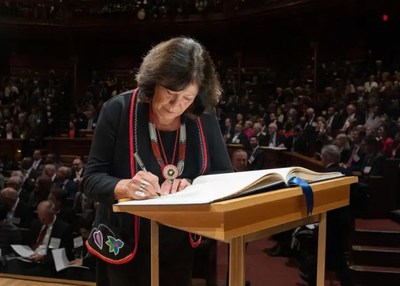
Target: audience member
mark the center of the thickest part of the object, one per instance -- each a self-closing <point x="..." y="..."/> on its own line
<point x="374" y="160"/>
<point x="38" y="161"/>
<point x="357" y="152"/>
<point x="63" y="181"/>
<point x="239" y="160"/>
<point x="63" y="211"/>
<point x="239" y="137"/>
<point x="30" y="174"/>
<point x="273" y="138"/>
<point x="256" y="160"/>
<point x="385" y="140"/>
<point x="9" y="233"/>
<point x="343" y="143"/>
<point x="77" y="170"/>
<point x="40" y="192"/>
<point x="19" y="214"/>
<point x="49" y="232"/>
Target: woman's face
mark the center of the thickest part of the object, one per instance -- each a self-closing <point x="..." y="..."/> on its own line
<point x="169" y="104"/>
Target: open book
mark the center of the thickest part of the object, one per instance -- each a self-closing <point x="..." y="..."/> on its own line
<point x="211" y="188"/>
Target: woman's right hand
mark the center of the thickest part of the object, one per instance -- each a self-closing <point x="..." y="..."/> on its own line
<point x="143" y="185"/>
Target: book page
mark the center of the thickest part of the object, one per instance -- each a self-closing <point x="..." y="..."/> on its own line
<point x="61" y="261"/>
<point x="22" y="250"/>
<point x="209" y="188"/>
<point x="312" y="176"/>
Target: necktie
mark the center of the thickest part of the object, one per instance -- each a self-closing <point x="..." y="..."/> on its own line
<point x="40" y="238"/>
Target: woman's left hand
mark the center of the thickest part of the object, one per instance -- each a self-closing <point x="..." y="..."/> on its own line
<point x="176" y="185"/>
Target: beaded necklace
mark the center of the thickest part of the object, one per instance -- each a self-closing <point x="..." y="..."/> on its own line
<point x="168" y="170"/>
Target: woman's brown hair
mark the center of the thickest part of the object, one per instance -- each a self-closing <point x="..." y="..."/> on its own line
<point x="176" y="63"/>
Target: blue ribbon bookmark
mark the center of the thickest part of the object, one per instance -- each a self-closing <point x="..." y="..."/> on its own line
<point x="307" y="192"/>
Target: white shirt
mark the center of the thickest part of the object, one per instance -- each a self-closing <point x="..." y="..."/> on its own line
<point x="42" y="249"/>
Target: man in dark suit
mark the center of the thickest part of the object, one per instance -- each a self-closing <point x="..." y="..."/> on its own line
<point x="8" y="132"/>
<point x="350" y="118"/>
<point x="333" y="121"/>
<point x="20" y="213"/>
<point x="374" y="161"/>
<point x="49" y="232"/>
<point x="29" y="173"/>
<point x="9" y="233"/>
<point x="227" y="130"/>
<point x="261" y="136"/>
<point x="64" y="182"/>
<point x="274" y="139"/>
<point x="239" y="137"/>
<point x="38" y="161"/>
<point x="256" y="160"/>
<point x="296" y="142"/>
<point x="357" y="153"/>
<point x="77" y="170"/>
<point x="89" y="123"/>
<point x="16" y="181"/>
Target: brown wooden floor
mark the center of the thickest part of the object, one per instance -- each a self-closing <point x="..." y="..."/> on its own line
<point x="18" y="282"/>
<point x="15" y="280"/>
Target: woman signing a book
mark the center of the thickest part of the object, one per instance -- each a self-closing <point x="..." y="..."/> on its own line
<point x="148" y="142"/>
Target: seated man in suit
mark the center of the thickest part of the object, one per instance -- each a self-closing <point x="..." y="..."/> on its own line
<point x="77" y="170"/>
<point x="63" y="209"/>
<point x="49" y="232"/>
<point x="20" y="213"/>
<point x="63" y="181"/>
<point x="239" y="160"/>
<point x="9" y="233"/>
<point x="357" y="153"/>
<point x="30" y="173"/>
<point x="17" y="182"/>
<point x="46" y="233"/>
<point x="274" y="139"/>
<point x="38" y="161"/>
<point x="374" y="161"/>
<point x="256" y="160"/>
<point x="296" y="141"/>
<point x="239" y="137"/>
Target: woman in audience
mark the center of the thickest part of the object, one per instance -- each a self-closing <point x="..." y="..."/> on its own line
<point x="385" y="140"/>
<point x="73" y="132"/>
<point x="342" y="141"/>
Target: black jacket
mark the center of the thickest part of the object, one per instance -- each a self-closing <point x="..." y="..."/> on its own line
<point x="109" y="162"/>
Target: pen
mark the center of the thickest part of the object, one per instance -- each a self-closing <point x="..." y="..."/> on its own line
<point x="140" y="162"/>
<point x="141" y="165"/>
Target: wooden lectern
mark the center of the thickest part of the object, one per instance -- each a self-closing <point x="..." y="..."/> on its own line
<point x="245" y="219"/>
